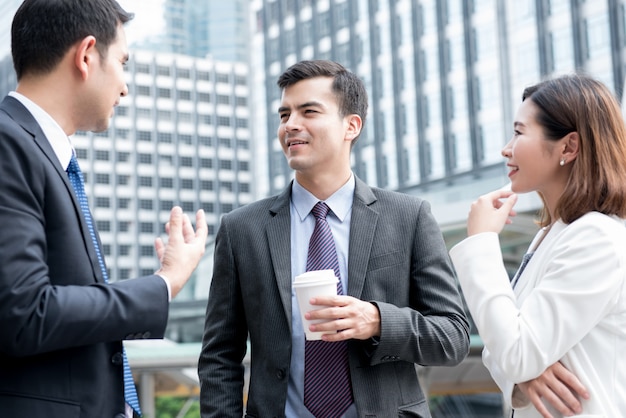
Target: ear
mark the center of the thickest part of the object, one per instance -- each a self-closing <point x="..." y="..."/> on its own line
<point x="86" y="55"/>
<point x="354" y="127"/>
<point x="571" y="144"/>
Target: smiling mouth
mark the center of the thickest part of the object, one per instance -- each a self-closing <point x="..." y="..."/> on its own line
<point x="289" y="144"/>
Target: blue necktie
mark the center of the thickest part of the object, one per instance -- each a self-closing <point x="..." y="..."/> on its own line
<point x="327" y="386"/>
<point x="76" y="179"/>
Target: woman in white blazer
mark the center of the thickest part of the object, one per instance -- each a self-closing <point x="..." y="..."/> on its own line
<point x="564" y="311"/>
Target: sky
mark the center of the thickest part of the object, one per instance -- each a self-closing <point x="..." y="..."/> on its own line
<point x="148" y="19"/>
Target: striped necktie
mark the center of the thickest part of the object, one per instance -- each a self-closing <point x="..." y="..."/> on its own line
<point x="77" y="181"/>
<point x="327" y="385"/>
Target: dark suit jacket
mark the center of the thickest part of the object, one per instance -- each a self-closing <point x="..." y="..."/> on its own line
<point x="397" y="259"/>
<point x="61" y="326"/>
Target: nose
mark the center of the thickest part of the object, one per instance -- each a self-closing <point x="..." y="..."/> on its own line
<point x="124" y="91"/>
<point x="291" y="124"/>
<point x="507" y="151"/>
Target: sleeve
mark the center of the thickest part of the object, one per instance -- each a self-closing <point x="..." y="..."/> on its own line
<point x="224" y="342"/>
<point x="49" y="299"/>
<point x="433" y="329"/>
<point x="579" y="285"/>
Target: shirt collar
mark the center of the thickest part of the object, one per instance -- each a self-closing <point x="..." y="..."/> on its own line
<point x="340" y="202"/>
<point x="58" y="140"/>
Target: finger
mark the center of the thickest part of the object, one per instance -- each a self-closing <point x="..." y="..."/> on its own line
<point x="202" y="229"/>
<point x="175" y="223"/>
<point x="571" y="381"/>
<point x="159" y="246"/>
<point x="188" y="232"/>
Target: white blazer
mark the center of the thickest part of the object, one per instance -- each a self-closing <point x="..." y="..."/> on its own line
<point x="569" y="304"/>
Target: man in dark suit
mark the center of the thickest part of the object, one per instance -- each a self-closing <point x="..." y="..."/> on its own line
<point x="402" y="306"/>
<point x="61" y="325"/>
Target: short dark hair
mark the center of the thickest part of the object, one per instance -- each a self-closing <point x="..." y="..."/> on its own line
<point x="349" y="89"/>
<point x="44" y="30"/>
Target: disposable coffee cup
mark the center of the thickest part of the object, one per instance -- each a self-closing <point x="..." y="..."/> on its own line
<point x="309" y="285"/>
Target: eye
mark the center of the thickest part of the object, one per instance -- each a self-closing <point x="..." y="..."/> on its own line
<point x="283" y="116"/>
<point x="516" y="133"/>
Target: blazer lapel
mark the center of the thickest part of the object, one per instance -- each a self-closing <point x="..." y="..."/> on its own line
<point x="362" y="228"/>
<point x="12" y="107"/>
<point x="278" y="232"/>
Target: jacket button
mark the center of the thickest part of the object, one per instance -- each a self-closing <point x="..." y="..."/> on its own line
<point x="280" y="374"/>
<point x="117" y="359"/>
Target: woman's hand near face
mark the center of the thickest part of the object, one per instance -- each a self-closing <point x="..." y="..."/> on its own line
<point x="491" y="212"/>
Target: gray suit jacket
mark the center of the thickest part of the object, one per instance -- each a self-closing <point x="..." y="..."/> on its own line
<point x="397" y="260"/>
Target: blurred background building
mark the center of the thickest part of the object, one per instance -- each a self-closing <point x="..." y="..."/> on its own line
<point x="198" y="128"/>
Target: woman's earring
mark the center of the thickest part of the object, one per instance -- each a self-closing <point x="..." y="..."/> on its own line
<point x="562" y="163"/>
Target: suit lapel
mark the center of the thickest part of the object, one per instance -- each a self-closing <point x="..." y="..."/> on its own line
<point x="16" y="111"/>
<point x="362" y="228"/>
<point x="279" y="241"/>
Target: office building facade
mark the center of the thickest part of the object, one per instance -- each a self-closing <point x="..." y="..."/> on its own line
<point x="181" y="137"/>
<point x="444" y="77"/>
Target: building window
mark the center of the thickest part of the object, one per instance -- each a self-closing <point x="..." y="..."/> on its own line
<point x="203" y="75"/>
<point x="186" y="161"/>
<point x="122" y="133"/>
<point x="146" y="227"/>
<point x="81" y="153"/>
<point x="102" y="178"/>
<point x="206" y="185"/>
<point x="142" y="68"/>
<point x="241" y="101"/>
<point x="167" y="205"/>
<point x="184" y="95"/>
<point x="165" y="137"/>
<point x="244" y="188"/>
<point x="223" y="99"/>
<point x="124" y="274"/>
<point x="123" y="179"/>
<point x="208" y="207"/>
<point x="123" y="203"/>
<point x="146" y="251"/>
<point x="240" y="80"/>
<point x="227" y="207"/>
<point x="164" y="71"/>
<point x="226" y="185"/>
<point x="164" y="93"/>
<point x="145" y="204"/>
<point x="206" y="162"/>
<point x="143" y="90"/>
<point x="187" y="184"/>
<point x="123" y="226"/>
<point x="103" y="202"/>
<point x="166" y="182"/>
<point x="225" y="165"/>
<point x="183" y="73"/>
<point x="144" y="136"/>
<point x="187" y="207"/>
<point x="205" y="140"/>
<point x="243" y="166"/>
<point x="102" y="155"/>
<point x="124" y="250"/>
<point x="241" y="123"/>
<point x="145" y="158"/>
<point x="145" y="181"/>
<point x="222" y="78"/>
<point x="204" y="97"/>
<point x="103" y="226"/>
<point x="225" y="142"/>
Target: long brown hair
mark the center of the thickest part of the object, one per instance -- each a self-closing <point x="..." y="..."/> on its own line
<point x="578" y="103"/>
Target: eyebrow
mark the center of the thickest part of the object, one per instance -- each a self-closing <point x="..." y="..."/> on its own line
<point x="302" y="106"/>
<point x="517" y="124"/>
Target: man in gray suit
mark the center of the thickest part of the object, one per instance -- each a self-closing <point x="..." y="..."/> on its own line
<point x="402" y="306"/>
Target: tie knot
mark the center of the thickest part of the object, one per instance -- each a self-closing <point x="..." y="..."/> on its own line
<point x="320" y="210"/>
<point x="73" y="166"/>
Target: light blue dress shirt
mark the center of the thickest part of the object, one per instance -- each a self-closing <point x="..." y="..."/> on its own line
<point x="302" y="224"/>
